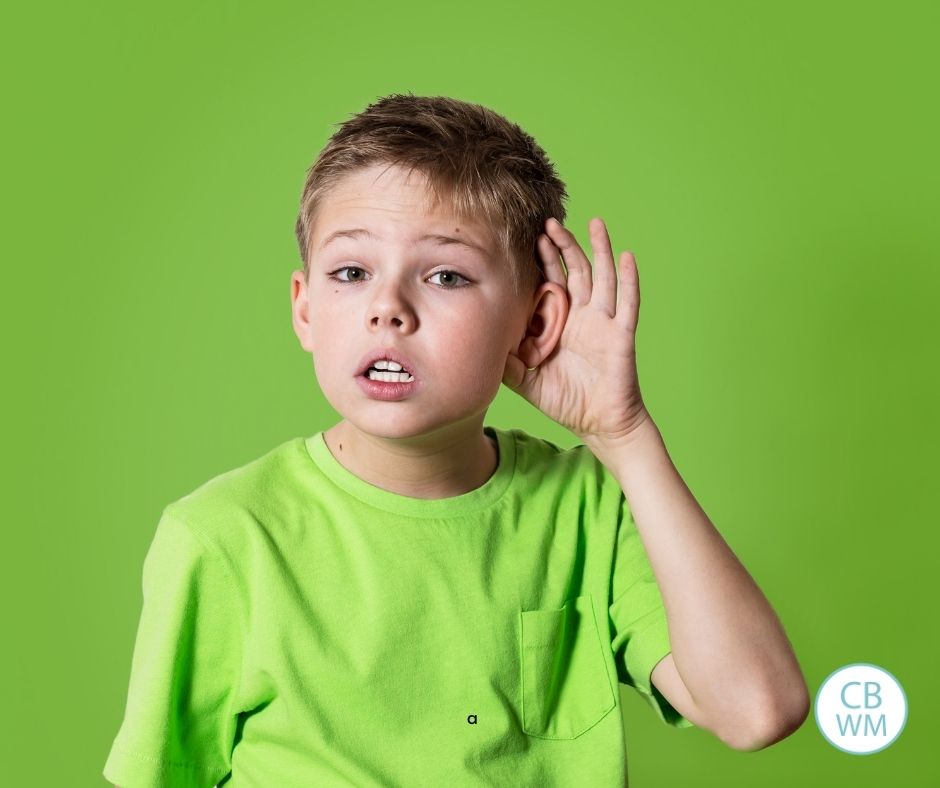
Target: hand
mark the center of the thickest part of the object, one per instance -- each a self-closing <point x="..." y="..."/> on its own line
<point x="588" y="383"/>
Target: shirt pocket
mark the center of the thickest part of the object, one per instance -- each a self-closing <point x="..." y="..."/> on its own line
<point x="565" y="684"/>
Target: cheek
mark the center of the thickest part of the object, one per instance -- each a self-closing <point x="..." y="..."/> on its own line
<point x="486" y="337"/>
<point x="479" y="359"/>
<point x="328" y="318"/>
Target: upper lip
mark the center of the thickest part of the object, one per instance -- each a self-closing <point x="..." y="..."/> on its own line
<point x="388" y="353"/>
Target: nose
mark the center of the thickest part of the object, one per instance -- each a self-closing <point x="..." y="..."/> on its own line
<point x="390" y="309"/>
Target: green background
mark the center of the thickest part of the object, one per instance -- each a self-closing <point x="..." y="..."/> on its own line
<point x="773" y="166"/>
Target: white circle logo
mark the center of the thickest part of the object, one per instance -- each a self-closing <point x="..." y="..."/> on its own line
<point x="861" y="708"/>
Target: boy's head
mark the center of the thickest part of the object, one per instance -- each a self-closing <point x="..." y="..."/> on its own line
<point x="446" y="201"/>
<point x="477" y="164"/>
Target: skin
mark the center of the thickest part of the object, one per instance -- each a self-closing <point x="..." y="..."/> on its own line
<point x="459" y="334"/>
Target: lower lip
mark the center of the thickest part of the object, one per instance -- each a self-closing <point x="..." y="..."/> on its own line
<point x="379" y="389"/>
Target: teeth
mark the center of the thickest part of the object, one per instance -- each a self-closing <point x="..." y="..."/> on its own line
<point x="386" y="364"/>
<point x="390" y="377"/>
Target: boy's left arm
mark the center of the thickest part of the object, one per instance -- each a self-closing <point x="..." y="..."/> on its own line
<point x="731" y="669"/>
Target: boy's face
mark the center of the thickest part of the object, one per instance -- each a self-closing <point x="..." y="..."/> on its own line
<point x="456" y="327"/>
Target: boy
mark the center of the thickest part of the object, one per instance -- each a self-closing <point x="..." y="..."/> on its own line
<point x="410" y="597"/>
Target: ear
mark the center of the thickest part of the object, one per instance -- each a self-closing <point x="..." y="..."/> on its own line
<point x="547" y="317"/>
<point x="299" y="309"/>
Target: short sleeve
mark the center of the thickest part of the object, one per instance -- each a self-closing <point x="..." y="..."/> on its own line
<point x="638" y="619"/>
<point x="181" y="712"/>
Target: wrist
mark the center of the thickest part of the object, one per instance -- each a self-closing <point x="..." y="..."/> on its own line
<point x="642" y="429"/>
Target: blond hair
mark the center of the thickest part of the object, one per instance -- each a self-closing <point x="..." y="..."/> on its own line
<point x="478" y="163"/>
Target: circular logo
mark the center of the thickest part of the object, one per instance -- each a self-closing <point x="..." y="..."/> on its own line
<point x="861" y="708"/>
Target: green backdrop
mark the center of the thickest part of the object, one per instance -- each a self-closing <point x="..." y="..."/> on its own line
<point x="773" y="166"/>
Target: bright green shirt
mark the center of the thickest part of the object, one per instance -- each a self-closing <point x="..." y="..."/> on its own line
<point x="302" y="627"/>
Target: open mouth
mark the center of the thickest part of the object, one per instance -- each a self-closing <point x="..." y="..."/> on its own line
<point x="388" y="372"/>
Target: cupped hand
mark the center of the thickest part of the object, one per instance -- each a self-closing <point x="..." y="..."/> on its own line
<point x="588" y="383"/>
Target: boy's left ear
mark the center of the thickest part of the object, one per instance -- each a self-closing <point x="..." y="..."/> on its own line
<point x="545" y="324"/>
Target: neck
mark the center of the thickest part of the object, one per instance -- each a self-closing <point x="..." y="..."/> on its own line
<point x="443" y="464"/>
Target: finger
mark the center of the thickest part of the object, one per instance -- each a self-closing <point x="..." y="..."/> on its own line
<point x="628" y="301"/>
<point x="551" y="261"/>
<point x="604" y="294"/>
<point x="579" y="267"/>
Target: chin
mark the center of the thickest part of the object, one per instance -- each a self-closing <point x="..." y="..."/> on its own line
<point x="407" y="426"/>
<point x="390" y="428"/>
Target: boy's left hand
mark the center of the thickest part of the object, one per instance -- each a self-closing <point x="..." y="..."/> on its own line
<point x="589" y="383"/>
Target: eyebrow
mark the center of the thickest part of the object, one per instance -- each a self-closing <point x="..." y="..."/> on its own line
<point x="437" y="238"/>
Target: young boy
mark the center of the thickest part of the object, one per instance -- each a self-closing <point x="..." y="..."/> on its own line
<point x="411" y="598"/>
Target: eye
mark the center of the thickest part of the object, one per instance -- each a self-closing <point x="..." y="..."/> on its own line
<point x="332" y="274"/>
<point x="450" y="277"/>
<point x="357" y="274"/>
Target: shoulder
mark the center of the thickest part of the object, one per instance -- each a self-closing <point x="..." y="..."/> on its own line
<point x="547" y="461"/>
<point x="569" y="484"/>
<point x="219" y="508"/>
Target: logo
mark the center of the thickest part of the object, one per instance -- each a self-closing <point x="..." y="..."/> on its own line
<point x="861" y="708"/>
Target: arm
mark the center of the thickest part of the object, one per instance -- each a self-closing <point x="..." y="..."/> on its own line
<point x="732" y="670"/>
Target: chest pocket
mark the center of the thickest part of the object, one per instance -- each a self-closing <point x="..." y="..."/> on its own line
<point x="565" y="685"/>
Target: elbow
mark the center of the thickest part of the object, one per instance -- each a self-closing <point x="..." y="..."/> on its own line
<point x="779" y="717"/>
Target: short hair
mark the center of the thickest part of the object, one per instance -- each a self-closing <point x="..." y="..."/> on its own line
<point x="476" y="162"/>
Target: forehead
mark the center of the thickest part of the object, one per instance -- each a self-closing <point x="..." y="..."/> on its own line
<point x="387" y="203"/>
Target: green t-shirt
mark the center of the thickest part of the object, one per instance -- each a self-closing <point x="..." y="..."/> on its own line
<point x="303" y="627"/>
